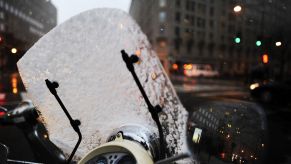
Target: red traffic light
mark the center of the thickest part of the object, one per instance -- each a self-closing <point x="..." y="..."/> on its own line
<point x="265" y="58"/>
<point x="1" y="39"/>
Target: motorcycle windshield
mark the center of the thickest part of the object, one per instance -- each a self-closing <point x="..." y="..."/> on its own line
<point x="83" y="56"/>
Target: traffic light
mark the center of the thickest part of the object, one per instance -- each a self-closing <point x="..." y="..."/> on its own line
<point x="259" y="41"/>
<point x="1" y="39"/>
<point x="265" y="59"/>
<point x="237" y="38"/>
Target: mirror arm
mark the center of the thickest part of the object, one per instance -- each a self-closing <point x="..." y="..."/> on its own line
<point x="74" y="123"/>
<point x="129" y="61"/>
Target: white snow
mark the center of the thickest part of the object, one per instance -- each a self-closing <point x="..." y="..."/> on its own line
<point x="83" y="56"/>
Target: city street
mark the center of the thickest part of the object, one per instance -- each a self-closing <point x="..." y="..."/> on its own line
<point x="265" y="125"/>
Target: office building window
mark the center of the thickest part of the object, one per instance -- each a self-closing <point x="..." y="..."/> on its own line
<point x="178" y="43"/>
<point x="2" y="27"/>
<point x="201" y="22"/>
<point x="177" y="31"/>
<point x="210" y="36"/>
<point x="163" y="3"/>
<point x="210" y="48"/>
<point x="211" y="24"/>
<point x="190" y="5"/>
<point x="178" y="3"/>
<point x="201" y="8"/>
<point x="1" y="15"/>
<point x="178" y="17"/>
<point x="193" y="6"/>
<point x="211" y="11"/>
<point x="189" y="46"/>
<point x="187" y="4"/>
<point x="186" y="19"/>
<point x="162" y="16"/>
<point x="192" y="20"/>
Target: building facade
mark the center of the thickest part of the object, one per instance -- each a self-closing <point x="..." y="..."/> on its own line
<point x="22" y="23"/>
<point x="203" y="31"/>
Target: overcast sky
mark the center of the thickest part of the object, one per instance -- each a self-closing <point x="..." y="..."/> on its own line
<point x="69" y="8"/>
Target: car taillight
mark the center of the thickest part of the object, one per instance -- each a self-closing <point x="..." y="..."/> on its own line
<point x="187" y="66"/>
<point x="2" y="113"/>
<point x="2" y="98"/>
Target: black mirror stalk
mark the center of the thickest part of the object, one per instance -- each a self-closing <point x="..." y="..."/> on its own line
<point x="74" y="123"/>
<point x="129" y="61"/>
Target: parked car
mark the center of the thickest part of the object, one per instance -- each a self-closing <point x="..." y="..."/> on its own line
<point x="200" y="70"/>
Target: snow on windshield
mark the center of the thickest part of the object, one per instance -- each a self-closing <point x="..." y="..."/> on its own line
<point x="83" y="56"/>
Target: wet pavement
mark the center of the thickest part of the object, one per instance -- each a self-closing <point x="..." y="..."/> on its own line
<point x="260" y="132"/>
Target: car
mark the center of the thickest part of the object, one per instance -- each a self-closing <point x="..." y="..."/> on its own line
<point x="270" y="91"/>
<point x="200" y="70"/>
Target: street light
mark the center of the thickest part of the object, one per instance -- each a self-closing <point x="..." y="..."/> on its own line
<point x="278" y="44"/>
<point x="13" y="50"/>
<point x="237" y="8"/>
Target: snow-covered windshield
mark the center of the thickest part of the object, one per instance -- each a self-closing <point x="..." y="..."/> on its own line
<point x="83" y="56"/>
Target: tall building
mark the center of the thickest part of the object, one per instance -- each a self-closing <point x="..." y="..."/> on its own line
<point x="22" y="23"/>
<point x="204" y="31"/>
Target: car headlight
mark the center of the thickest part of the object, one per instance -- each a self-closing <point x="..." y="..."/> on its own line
<point x="254" y="86"/>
